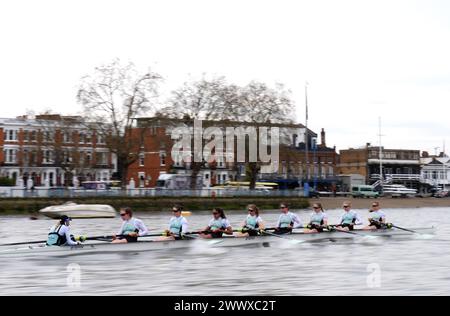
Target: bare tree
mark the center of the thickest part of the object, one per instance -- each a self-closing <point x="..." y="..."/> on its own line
<point x="256" y="104"/>
<point x="112" y="97"/>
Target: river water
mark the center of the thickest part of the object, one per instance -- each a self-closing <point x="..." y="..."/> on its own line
<point x="413" y="266"/>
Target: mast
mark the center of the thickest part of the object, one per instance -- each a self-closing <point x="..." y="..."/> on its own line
<point x="380" y="151"/>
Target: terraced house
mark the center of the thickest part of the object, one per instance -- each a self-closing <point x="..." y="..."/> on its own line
<point x="52" y="150"/>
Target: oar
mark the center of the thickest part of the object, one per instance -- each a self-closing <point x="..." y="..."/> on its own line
<point x="111" y="236"/>
<point x="25" y="243"/>
<point x="77" y="238"/>
<point x="412" y="231"/>
<point x="293" y="241"/>
<point x="354" y="233"/>
<point x="194" y="235"/>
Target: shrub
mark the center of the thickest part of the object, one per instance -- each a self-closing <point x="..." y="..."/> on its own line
<point x="7" y="182"/>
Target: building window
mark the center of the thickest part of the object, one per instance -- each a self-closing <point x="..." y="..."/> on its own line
<point x="330" y="171"/>
<point x="206" y="176"/>
<point x="102" y="158"/>
<point x="100" y="139"/>
<point x="141" y="160"/>
<point x="88" y="138"/>
<point x="49" y="137"/>
<point x="10" y="155"/>
<point x="10" y="135"/>
<point x="33" y="136"/>
<point x="67" y="157"/>
<point x="81" y="138"/>
<point x="47" y="156"/>
<point x="162" y="159"/>
<point x="88" y="157"/>
<point x="67" y="137"/>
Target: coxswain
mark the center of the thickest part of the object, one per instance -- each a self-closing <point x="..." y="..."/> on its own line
<point x="59" y="234"/>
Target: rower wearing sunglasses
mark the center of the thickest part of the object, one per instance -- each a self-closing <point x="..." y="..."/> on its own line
<point x="377" y="219"/>
<point x="131" y="228"/>
<point x="287" y="221"/>
<point x="218" y="225"/>
<point x="178" y="225"/>
<point x="253" y="224"/>
<point x="319" y="220"/>
<point x="349" y="218"/>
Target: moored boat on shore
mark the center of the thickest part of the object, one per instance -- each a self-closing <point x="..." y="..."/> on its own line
<point x="74" y="210"/>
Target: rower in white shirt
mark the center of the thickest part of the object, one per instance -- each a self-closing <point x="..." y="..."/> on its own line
<point x="253" y="224"/>
<point x="377" y="219"/>
<point x="319" y="220"/>
<point x="178" y="225"/>
<point x="131" y="228"/>
<point x="287" y="221"/>
<point x="349" y="218"/>
<point x="218" y="225"/>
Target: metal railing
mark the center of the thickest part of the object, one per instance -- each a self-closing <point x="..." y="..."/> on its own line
<point x="16" y="192"/>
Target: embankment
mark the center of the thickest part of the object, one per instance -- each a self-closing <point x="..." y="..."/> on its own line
<point x="32" y="205"/>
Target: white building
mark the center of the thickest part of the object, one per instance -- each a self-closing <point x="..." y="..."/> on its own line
<point x="436" y="171"/>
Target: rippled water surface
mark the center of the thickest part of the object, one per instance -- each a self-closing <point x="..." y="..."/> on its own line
<point x="411" y="266"/>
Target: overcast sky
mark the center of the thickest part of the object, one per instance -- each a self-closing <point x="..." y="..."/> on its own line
<point x="362" y="59"/>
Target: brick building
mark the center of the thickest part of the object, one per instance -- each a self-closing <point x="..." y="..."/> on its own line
<point x="155" y="155"/>
<point x="51" y="150"/>
<point x="399" y="165"/>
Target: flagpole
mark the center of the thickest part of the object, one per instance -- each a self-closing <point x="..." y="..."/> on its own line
<point x="443" y="167"/>
<point x="306" y="133"/>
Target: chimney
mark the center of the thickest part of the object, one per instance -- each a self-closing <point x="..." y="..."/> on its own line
<point x="322" y="138"/>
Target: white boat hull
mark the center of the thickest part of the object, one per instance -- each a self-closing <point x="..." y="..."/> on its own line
<point x="229" y="241"/>
<point x="79" y="211"/>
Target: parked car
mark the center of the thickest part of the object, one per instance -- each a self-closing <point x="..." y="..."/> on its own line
<point x="441" y="194"/>
<point x="364" y="191"/>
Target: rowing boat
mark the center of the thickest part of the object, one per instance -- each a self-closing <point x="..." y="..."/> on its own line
<point x="226" y="241"/>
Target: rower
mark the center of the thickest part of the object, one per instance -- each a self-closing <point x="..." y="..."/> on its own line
<point x="178" y="225"/>
<point x="287" y="221"/>
<point x="253" y="224"/>
<point x="377" y="218"/>
<point x="218" y="225"/>
<point x="349" y="218"/>
<point x="319" y="220"/>
<point x="59" y="234"/>
<point x="131" y="228"/>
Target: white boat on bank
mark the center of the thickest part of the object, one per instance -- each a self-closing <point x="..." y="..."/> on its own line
<point x="398" y="190"/>
<point x="75" y="210"/>
<point x="95" y="247"/>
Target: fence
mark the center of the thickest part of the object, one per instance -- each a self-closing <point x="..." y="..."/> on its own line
<point x="142" y="192"/>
